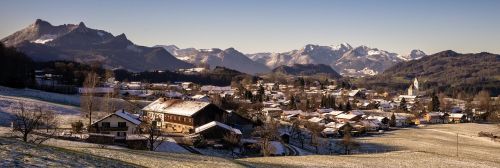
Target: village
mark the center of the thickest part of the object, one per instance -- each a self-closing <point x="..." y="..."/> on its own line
<point x="255" y="118"/>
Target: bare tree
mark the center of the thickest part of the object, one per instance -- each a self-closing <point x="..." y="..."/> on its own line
<point x="88" y="101"/>
<point x="297" y="132"/>
<point x="77" y="127"/>
<point x="267" y="133"/>
<point x="347" y="143"/>
<point x="108" y="104"/>
<point x="28" y="119"/>
<point x="315" y="133"/>
<point x="151" y="132"/>
<point x="232" y="141"/>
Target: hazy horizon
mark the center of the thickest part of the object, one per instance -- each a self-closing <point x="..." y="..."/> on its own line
<point x="277" y="26"/>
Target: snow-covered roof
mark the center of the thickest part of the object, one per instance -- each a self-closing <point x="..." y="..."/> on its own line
<point x="215" y="123"/>
<point x="353" y="92"/>
<point x="130" y="117"/>
<point x="457" y="115"/>
<point x="271" y="109"/>
<point x="290" y="112"/>
<point x="176" y="107"/>
<point x="325" y="110"/>
<point x="198" y="96"/>
<point x="357" y="112"/>
<point x="346" y="116"/>
<point x="315" y="119"/>
<point x="329" y="130"/>
<point x="173" y="94"/>
<point x="335" y="125"/>
<point x="335" y="113"/>
<point x="368" y="123"/>
<point x="407" y="96"/>
<point x="125" y="115"/>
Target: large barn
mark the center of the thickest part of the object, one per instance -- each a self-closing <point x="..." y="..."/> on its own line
<point x="183" y="116"/>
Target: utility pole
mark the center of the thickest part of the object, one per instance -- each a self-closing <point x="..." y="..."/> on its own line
<point x="457" y="144"/>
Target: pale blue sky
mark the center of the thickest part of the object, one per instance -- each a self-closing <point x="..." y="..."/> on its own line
<point x="277" y="25"/>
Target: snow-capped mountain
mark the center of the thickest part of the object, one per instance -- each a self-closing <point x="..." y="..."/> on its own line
<point x="44" y="42"/>
<point x="170" y="48"/>
<point x="229" y="58"/>
<point x="413" y="55"/>
<point x="343" y="58"/>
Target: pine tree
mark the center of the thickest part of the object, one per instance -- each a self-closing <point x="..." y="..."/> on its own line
<point x="332" y="102"/>
<point x="292" y="103"/>
<point x="392" y="122"/>
<point x="348" y="106"/>
<point x="402" y="105"/>
<point x="435" y="103"/>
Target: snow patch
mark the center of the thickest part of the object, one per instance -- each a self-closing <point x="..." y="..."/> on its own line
<point x="45" y="38"/>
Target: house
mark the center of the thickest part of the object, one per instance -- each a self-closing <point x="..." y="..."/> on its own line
<point x="332" y="114"/>
<point x="347" y="117"/>
<point x="202" y="98"/>
<point x="120" y="124"/>
<point x="317" y="120"/>
<point x="272" y="112"/>
<point x="183" y="116"/>
<point x="402" y="121"/>
<point x="457" y="118"/>
<point x="436" y="117"/>
<point x="382" y="121"/>
<point x="289" y="114"/>
<point x="216" y="130"/>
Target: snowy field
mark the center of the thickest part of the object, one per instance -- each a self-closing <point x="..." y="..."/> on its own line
<point x="18" y="154"/>
<point x="73" y="100"/>
<point x="9" y="106"/>
<point x="430" y="146"/>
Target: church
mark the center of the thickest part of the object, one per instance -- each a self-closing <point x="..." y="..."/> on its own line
<point x="413" y="89"/>
<point x="413" y="93"/>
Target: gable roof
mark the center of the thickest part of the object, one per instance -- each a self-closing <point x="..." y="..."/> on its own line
<point x="215" y="123"/>
<point x="123" y="114"/>
<point x="176" y="107"/>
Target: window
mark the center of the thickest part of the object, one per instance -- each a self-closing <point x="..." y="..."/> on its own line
<point x="105" y="124"/>
<point x="121" y="134"/>
<point x="122" y="124"/>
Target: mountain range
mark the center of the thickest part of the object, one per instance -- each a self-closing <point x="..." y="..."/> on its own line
<point x="229" y="58"/>
<point x="307" y="70"/>
<point x="44" y="42"/>
<point x="344" y="58"/>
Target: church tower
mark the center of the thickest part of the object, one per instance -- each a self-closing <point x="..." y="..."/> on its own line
<point x="415" y="83"/>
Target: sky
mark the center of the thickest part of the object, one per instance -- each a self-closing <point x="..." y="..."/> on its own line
<point x="277" y="25"/>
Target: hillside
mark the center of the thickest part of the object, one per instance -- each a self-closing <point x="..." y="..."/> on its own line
<point x="219" y="76"/>
<point x="445" y="71"/>
<point x="42" y="41"/>
<point x="307" y="70"/>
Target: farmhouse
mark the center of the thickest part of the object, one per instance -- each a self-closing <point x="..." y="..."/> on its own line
<point x="456" y="118"/>
<point x="183" y="116"/>
<point x="120" y="124"/>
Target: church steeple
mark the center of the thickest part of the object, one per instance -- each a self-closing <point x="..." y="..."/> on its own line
<point x="415" y="83"/>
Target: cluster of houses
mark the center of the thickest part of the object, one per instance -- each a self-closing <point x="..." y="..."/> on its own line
<point x="184" y="108"/>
